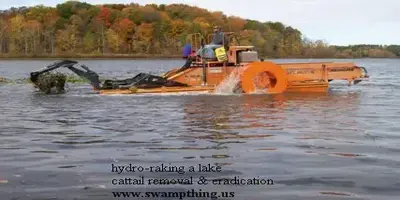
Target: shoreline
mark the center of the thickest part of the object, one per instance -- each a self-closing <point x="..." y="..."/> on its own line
<point x="147" y="57"/>
<point x="89" y="57"/>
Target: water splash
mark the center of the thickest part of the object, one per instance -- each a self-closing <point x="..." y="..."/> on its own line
<point x="228" y="85"/>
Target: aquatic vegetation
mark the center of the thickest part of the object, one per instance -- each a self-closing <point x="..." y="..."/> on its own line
<point x="69" y="79"/>
<point x="14" y="81"/>
<point x="133" y="89"/>
<point x="48" y="81"/>
<point x="75" y="79"/>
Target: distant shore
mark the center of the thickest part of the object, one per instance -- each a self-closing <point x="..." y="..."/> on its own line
<point x="82" y="31"/>
<point x="144" y="57"/>
<point x="88" y="57"/>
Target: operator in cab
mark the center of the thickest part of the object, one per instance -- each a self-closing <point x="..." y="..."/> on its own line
<point x="218" y="38"/>
<point x="218" y="41"/>
<point x="208" y="51"/>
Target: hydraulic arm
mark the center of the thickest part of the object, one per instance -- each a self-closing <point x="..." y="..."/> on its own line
<point x="56" y="65"/>
<point x="86" y="73"/>
<point x="142" y="80"/>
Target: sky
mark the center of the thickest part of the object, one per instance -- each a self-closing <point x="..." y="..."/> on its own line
<point x="338" y="22"/>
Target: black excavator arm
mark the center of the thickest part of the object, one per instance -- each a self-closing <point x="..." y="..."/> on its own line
<point x="142" y="80"/>
<point x="86" y="73"/>
<point x="35" y="75"/>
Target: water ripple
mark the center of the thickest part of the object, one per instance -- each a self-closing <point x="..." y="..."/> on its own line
<point x="343" y="144"/>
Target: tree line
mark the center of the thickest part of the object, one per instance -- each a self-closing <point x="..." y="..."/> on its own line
<point x="80" y="29"/>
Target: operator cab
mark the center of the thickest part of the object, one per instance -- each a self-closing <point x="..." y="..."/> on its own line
<point x="229" y="53"/>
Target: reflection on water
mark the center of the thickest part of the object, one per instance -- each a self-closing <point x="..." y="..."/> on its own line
<point x="342" y="144"/>
<point x="228" y="116"/>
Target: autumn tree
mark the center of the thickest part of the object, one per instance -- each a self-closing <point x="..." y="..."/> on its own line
<point x="17" y="34"/>
<point x="143" y="38"/>
<point x="235" y="24"/>
<point x="3" y="29"/>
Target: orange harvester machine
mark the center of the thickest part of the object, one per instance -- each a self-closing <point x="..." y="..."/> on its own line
<point x="232" y="61"/>
<point x="253" y="75"/>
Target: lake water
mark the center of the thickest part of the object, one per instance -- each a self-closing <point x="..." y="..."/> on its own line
<point x="341" y="145"/>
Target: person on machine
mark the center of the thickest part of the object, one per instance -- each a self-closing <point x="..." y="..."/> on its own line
<point x="218" y="41"/>
<point x="207" y="51"/>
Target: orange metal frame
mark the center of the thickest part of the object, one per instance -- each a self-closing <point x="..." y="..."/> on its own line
<point x="300" y="77"/>
<point x="205" y="76"/>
